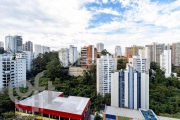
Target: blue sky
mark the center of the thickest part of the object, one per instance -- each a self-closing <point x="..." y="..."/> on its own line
<point x="59" y="23"/>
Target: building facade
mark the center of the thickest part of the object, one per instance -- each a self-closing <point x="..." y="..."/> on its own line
<point x="13" y="70"/>
<point x="139" y="63"/>
<point x="166" y="63"/>
<point x="1" y="44"/>
<point x="156" y="50"/>
<point x="118" y="51"/>
<point x="19" y="43"/>
<point x="10" y="44"/>
<point x="88" y="56"/>
<point x="64" y="57"/>
<point x="28" y="46"/>
<point x="73" y="54"/>
<point x="176" y="54"/>
<point x="40" y="49"/>
<point x="130" y="88"/>
<point x="83" y="57"/>
<point x="105" y="65"/>
<point x="100" y="47"/>
<point x="29" y="56"/>
<point x="132" y="51"/>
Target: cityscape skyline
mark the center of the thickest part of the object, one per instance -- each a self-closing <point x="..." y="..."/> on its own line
<point x="78" y="22"/>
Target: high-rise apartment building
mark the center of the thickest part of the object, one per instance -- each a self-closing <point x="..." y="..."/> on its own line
<point x="139" y="63"/>
<point x="40" y="49"/>
<point x="166" y="63"/>
<point x="37" y="50"/>
<point x="64" y="57"/>
<point x="83" y="57"/>
<point x="1" y="44"/>
<point x="29" y="56"/>
<point x="28" y="46"/>
<point x="13" y="70"/>
<point x="118" y="51"/>
<point x="19" y="43"/>
<point x="100" y="47"/>
<point x="73" y="54"/>
<point x="88" y="56"/>
<point x="10" y="44"/>
<point x="105" y="66"/>
<point x="130" y="88"/>
<point x="155" y="51"/>
<point x="132" y="51"/>
<point x="176" y="54"/>
<point x="13" y="44"/>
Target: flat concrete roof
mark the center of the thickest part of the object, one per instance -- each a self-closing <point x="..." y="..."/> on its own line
<point x="129" y="113"/>
<point x="51" y="100"/>
<point x="166" y="118"/>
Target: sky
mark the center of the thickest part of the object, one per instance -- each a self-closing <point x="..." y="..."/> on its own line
<point x="60" y="23"/>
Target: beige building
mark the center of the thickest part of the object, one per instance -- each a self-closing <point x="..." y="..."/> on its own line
<point x="76" y="71"/>
<point x="176" y="54"/>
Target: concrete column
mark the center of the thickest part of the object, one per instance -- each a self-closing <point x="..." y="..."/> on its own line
<point x="59" y="117"/>
<point x="49" y="115"/>
<point x="26" y="111"/>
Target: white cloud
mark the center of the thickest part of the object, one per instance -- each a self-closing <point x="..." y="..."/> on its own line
<point x="108" y="11"/>
<point x="60" y="23"/>
<point x="104" y="1"/>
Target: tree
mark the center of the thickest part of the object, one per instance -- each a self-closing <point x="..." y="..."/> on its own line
<point x="97" y="117"/>
<point x="154" y="66"/>
<point x="104" y="52"/>
<point x="1" y="50"/>
<point x="54" y="69"/>
<point x="107" y="99"/>
<point x="121" y="64"/>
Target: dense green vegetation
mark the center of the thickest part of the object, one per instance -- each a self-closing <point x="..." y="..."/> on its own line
<point x="121" y="64"/>
<point x="39" y="64"/>
<point x="104" y="52"/>
<point x="1" y="50"/>
<point x="176" y="70"/>
<point x="164" y="93"/>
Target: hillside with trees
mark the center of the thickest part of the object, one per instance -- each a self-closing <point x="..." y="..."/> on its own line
<point x="164" y="93"/>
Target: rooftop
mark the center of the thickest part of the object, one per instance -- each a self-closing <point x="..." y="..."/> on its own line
<point x="135" y="114"/>
<point x="130" y="113"/>
<point x="166" y="118"/>
<point x="51" y="100"/>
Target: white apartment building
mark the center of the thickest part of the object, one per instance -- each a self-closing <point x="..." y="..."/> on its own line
<point x="130" y="88"/>
<point x="118" y="51"/>
<point x="105" y="66"/>
<point x="73" y="54"/>
<point x="37" y="50"/>
<point x="29" y="56"/>
<point x="40" y="49"/>
<point x="12" y="70"/>
<point x="13" y="44"/>
<point x="10" y="44"/>
<point x="145" y="53"/>
<point x="64" y="57"/>
<point x="139" y="63"/>
<point x="165" y="62"/>
<point x="1" y="44"/>
<point x="100" y="47"/>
